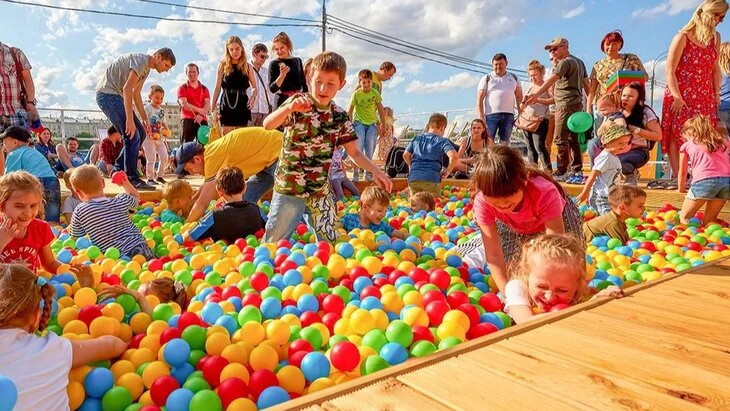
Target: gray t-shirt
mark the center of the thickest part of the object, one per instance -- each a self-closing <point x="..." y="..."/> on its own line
<point x="569" y="89"/>
<point x="112" y="82"/>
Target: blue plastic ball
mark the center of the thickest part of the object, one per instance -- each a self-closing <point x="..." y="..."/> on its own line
<point x="179" y="400"/>
<point x="308" y="302"/>
<point x="182" y="372"/>
<point x="211" y="312"/>
<point x="394" y="353"/>
<point x="177" y="352"/>
<point x="272" y="396"/>
<point x="229" y="323"/>
<point x="64" y="256"/>
<point x="97" y="382"/>
<point x="8" y="393"/>
<point x="91" y="404"/>
<point x="315" y="365"/>
<point x="270" y="308"/>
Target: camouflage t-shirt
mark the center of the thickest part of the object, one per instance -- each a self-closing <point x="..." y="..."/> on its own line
<point x="309" y="142"/>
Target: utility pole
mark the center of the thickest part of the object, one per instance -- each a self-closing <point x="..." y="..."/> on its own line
<point x="324" y="26"/>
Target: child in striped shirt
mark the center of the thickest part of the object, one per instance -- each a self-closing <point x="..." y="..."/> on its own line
<point x="106" y="220"/>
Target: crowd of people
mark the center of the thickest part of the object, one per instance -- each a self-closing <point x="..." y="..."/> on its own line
<point x="281" y="129"/>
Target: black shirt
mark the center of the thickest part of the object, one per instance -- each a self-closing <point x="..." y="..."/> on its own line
<point x="235" y="220"/>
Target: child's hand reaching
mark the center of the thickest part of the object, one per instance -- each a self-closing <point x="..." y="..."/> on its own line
<point x="301" y="104"/>
<point x="115" y="291"/>
<point x="83" y="274"/>
<point x="582" y="197"/>
<point x="611" y="291"/>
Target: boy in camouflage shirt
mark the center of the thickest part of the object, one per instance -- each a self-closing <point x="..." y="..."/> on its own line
<point x="314" y="126"/>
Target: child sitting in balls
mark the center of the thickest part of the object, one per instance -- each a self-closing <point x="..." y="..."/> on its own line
<point x="236" y="219"/>
<point x="165" y="289"/>
<point x="39" y="366"/>
<point x="179" y="197"/>
<point x="106" y="220"/>
<point x="626" y="202"/>
<point x="422" y="201"/>
<point x="425" y="157"/>
<point x="606" y="167"/>
<point x="72" y="201"/>
<point x="374" y="202"/>
<point x="550" y="276"/>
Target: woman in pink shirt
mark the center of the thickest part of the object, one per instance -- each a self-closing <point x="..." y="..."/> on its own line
<point x="709" y="153"/>
<point x="514" y="204"/>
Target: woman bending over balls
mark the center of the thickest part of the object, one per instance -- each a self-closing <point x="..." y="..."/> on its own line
<point x="550" y="276"/>
<point x="39" y="366"/>
<point x="514" y="204"/>
<point x="165" y="289"/>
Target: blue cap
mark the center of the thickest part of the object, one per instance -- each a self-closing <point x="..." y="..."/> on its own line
<point x="184" y="154"/>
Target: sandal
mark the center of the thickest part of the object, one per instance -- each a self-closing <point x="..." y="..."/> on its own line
<point x="671" y="185"/>
<point x="657" y="185"/>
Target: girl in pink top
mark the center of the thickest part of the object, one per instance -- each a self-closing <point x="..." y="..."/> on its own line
<point x="709" y="153"/>
<point x="514" y="205"/>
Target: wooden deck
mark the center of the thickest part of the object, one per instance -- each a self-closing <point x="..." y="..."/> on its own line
<point x="664" y="346"/>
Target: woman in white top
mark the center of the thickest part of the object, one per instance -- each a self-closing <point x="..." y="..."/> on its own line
<point x="537" y="148"/>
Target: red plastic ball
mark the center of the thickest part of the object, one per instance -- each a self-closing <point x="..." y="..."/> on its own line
<point x="230" y="389"/>
<point x="345" y="356"/>
<point x="421" y="333"/>
<point x="170" y="334"/>
<point x="261" y="380"/>
<point x="155" y="265"/>
<point x="251" y="299"/>
<point x="231" y="291"/>
<point x="418" y="274"/>
<point x="296" y="359"/>
<point x="436" y="311"/>
<point x="212" y="369"/>
<point x="89" y="313"/>
<point x="490" y="302"/>
<point x="440" y="278"/>
<point x="161" y="388"/>
<point x="259" y="281"/>
<point x="471" y="311"/>
<point x="302" y="229"/>
<point x="309" y="317"/>
<point x="457" y="298"/>
<point x="329" y="320"/>
<point x="433" y="295"/>
<point x="186" y="320"/>
<point x="481" y="330"/>
<point x="134" y="342"/>
<point x="300" y="345"/>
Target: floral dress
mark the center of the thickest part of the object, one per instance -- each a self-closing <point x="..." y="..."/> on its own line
<point x="386" y="141"/>
<point x="694" y="77"/>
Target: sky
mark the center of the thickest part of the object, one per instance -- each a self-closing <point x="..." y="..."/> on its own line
<point x="70" y="50"/>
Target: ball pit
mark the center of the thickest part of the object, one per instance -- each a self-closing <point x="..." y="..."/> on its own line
<point x="270" y="322"/>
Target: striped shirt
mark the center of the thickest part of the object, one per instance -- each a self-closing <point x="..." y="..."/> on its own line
<point x="107" y="222"/>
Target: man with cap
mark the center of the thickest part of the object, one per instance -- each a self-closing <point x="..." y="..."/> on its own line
<point x="253" y="149"/>
<point x="22" y="157"/>
<point x="570" y="79"/>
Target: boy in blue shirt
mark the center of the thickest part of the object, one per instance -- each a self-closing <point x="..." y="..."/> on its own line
<point x="374" y="202"/>
<point x="424" y="156"/>
<point x="22" y="157"/>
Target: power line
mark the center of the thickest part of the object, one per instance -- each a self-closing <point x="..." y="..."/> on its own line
<point x="141" y="16"/>
<point x="165" y="3"/>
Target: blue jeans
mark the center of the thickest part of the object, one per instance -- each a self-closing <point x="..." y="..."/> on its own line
<point x="711" y="188"/>
<point x="287" y="211"/>
<point x="724" y="116"/>
<point x="113" y="107"/>
<point x="52" y="194"/>
<point x="633" y="159"/>
<point x="367" y="136"/>
<point x="501" y="123"/>
<point x="597" y="120"/>
<point x="259" y="184"/>
<point x="594" y="148"/>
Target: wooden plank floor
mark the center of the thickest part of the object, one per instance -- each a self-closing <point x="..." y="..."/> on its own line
<point x="664" y="346"/>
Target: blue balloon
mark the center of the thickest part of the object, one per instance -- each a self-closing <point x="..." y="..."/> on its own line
<point x="98" y="381"/>
<point x="270" y="308"/>
<point x="64" y="256"/>
<point x="8" y="393"/>
<point x="315" y="365"/>
<point x="394" y="353"/>
<point x="308" y="302"/>
<point x="293" y="277"/>
<point x="179" y="400"/>
<point x="177" y="352"/>
<point x="211" y="312"/>
<point x="272" y="396"/>
<point x="345" y="250"/>
<point x="229" y="323"/>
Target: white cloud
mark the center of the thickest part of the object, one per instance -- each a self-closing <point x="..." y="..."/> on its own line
<point x="87" y="76"/>
<point x="574" y="12"/>
<point x="669" y="7"/>
<point x="62" y="22"/>
<point x="456" y="81"/>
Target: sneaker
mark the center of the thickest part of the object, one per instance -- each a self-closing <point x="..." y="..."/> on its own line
<point x="152" y="182"/>
<point x="141" y="185"/>
<point x="575" y="179"/>
<point x="161" y="180"/>
<point x="632" y="179"/>
<point x="560" y="177"/>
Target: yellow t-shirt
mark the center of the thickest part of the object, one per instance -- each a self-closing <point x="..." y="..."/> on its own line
<point x="250" y="148"/>
<point x="377" y="84"/>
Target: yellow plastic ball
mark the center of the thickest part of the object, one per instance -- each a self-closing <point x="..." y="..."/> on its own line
<point x="216" y="342"/>
<point x="291" y="379"/>
<point x="264" y="357"/>
<point x="361" y="321"/>
<point x="101" y="326"/>
<point x="235" y="370"/>
<point x="132" y="382"/>
<point x="252" y="332"/>
<point x="67" y="315"/>
<point x="237" y="353"/>
<point x="85" y="297"/>
<point x="242" y="404"/>
<point x="153" y="371"/>
<point x="76" y="394"/>
<point x="141" y="356"/>
<point x="140" y="322"/>
<point x="459" y="318"/>
<point x="320" y="384"/>
<point x="278" y="331"/>
<point x="76" y="327"/>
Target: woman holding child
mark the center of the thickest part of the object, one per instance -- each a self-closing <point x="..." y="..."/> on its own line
<point x="515" y="204"/>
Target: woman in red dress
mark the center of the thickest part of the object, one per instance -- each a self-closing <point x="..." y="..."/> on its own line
<point x="693" y="77"/>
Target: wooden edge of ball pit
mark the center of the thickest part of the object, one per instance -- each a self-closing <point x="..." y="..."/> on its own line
<point x="412" y="365"/>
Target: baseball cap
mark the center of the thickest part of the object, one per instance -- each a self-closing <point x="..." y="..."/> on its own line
<point x="557" y="41"/>
<point x="17" y="132"/>
<point x="184" y="153"/>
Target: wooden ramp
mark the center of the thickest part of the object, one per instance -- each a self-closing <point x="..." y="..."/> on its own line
<point x="664" y="346"/>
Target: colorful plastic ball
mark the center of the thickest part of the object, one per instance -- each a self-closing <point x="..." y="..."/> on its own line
<point x="399" y="332"/>
<point x="205" y="400"/>
<point x="291" y="379"/>
<point x="394" y="353"/>
<point x="179" y="400"/>
<point x="264" y="356"/>
<point x="8" y="393"/>
<point x="315" y="365"/>
<point x="194" y="335"/>
<point x="98" y="381"/>
<point x="116" y="399"/>
<point x="212" y="369"/>
<point x="260" y="380"/>
<point x="177" y="352"/>
<point x="373" y="363"/>
<point x="232" y="389"/>
<point x="423" y="348"/>
<point x="345" y="356"/>
<point x="211" y="312"/>
<point x="272" y="396"/>
<point x="196" y="384"/>
<point x="162" y="388"/>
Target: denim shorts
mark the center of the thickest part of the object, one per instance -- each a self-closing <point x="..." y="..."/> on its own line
<point x="713" y="188"/>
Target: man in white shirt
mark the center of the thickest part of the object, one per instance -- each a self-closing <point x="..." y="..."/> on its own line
<point x="263" y="105"/>
<point x="497" y="96"/>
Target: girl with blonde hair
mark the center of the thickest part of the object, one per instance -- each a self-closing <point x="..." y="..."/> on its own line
<point x="693" y="77"/>
<point x="234" y="79"/>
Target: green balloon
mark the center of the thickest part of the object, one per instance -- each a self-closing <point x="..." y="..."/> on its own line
<point x="321" y="271"/>
<point x="205" y="400"/>
<point x="580" y="122"/>
<point x="194" y="335"/>
<point x="116" y="399"/>
<point x="93" y="252"/>
<point x="213" y="278"/>
<point x="375" y="339"/>
<point x="246" y="269"/>
<point x="373" y="363"/>
<point x="184" y="276"/>
<point x="196" y="384"/>
<point x="399" y="332"/>
<point x="449" y="342"/>
<point x="112" y="252"/>
<point x="249" y="313"/>
<point x="423" y="348"/>
<point x="162" y="312"/>
<point x="203" y="134"/>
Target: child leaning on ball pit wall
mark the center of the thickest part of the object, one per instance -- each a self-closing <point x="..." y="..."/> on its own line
<point x="626" y="202"/>
<point x="39" y="366"/>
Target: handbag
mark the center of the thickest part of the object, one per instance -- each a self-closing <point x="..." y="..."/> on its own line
<point x="528" y="122"/>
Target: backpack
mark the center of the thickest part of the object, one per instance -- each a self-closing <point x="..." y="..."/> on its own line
<point x="395" y="166"/>
<point x="514" y="76"/>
